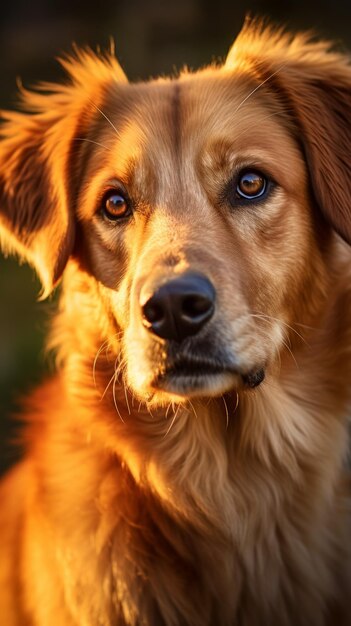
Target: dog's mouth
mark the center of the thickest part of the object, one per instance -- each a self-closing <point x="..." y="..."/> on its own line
<point x="189" y="377"/>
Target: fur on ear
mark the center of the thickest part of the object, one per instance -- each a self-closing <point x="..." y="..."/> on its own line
<point x="37" y="156"/>
<point x="313" y="84"/>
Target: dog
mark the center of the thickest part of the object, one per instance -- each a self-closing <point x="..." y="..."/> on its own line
<point x="187" y="463"/>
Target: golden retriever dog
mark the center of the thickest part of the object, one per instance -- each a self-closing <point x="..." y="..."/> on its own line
<point x="187" y="464"/>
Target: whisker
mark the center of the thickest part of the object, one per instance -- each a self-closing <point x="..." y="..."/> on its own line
<point x="237" y="402"/>
<point x="226" y="411"/>
<point x="115" y="400"/>
<point x="126" y="397"/>
<point x="269" y="318"/>
<point x="258" y="87"/>
<point x="105" y="116"/>
<point x="277" y="347"/>
<point x="172" y="422"/>
<point x="105" y="343"/>
<point x="91" y="141"/>
<point x="291" y="353"/>
<point x="168" y="408"/>
<point x="193" y="408"/>
<point x="107" y="386"/>
<point x="277" y="352"/>
<point x="150" y="412"/>
<point x="113" y="377"/>
<point x="121" y="365"/>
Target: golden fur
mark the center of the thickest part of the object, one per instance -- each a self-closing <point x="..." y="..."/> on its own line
<point x="212" y="504"/>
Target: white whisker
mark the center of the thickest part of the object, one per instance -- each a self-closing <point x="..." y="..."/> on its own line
<point x="270" y="318"/>
<point x="114" y="375"/>
<point x="237" y="402"/>
<point x="172" y="422"/>
<point x="258" y="87"/>
<point x="115" y="400"/>
<point x="193" y="408"/>
<point x="97" y="143"/>
<point x="291" y="353"/>
<point x="126" y="397"/>
<point x="105" y="116"/>
<point x="226" y="411"/>
<point x="105" y="343"/>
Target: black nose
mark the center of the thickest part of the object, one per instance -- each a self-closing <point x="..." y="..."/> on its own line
<point x="180" y="308"/>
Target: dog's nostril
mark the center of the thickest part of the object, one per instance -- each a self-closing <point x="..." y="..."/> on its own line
<point x="153" y="312"/>
<point x="195" y="306"/>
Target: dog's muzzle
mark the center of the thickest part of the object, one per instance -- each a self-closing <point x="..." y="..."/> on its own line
<point x="192" y="363"/>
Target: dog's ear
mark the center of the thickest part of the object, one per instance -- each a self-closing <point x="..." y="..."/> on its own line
<point x="313" y="84"/>
<point x="35" y="219"/>
<point x="38" y="157"/>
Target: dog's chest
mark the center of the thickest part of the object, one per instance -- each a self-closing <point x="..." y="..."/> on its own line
<point x="197" y="541"/>
<point x="175" y="575"/>
<point x="174" y="572"/>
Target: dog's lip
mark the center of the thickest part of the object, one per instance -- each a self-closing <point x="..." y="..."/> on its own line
<point x="189" y="370"/>
<point x="194" y="378"/>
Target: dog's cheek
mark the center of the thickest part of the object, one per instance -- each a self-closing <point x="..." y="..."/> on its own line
<point x="277" y="252"/>
<point x="101" y="253"/>
<point x="280" y="247"/>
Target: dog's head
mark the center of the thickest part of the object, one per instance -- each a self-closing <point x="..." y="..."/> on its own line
<point x="204" y="205"/>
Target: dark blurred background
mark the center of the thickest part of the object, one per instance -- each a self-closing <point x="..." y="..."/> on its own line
<point x="151" y="37"/>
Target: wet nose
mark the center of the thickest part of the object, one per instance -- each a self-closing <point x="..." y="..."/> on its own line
<point x="180" y="307"/>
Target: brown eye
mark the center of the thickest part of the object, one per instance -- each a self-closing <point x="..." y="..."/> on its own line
<point x="251" y="185"/>
<point x="115" y="206"/>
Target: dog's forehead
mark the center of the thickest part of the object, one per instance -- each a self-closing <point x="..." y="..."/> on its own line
<point x="172" y="112"/>
<point x="164" y="129"/>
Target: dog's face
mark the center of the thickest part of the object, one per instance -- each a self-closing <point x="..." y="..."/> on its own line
<point x="200" y="206"/>
<point x="199" y="229"/>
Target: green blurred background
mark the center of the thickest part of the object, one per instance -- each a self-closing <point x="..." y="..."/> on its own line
<point x="151" y="38"/>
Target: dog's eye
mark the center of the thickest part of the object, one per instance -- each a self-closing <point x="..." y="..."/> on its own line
<point x="115" y="206"/>
<point x="251" y="185"/>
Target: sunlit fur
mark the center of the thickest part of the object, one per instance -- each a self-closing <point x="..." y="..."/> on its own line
<point x="207" y="505"/>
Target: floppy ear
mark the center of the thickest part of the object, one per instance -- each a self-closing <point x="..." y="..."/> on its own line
<point x="313" y="83"/>
<point x="35" y="219"/>
<point x="38" y="159"/>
